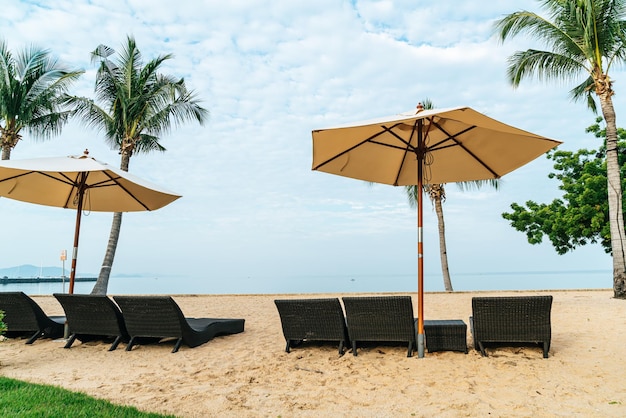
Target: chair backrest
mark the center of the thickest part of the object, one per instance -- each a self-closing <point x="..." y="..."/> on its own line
<point x="380" y="318"/>
<point x="512" y="318"/>
<point x="21" y="313"/>
<point x="92" y="314"/>
<point x="151" y="316"/>
<point x="312" y="319"/>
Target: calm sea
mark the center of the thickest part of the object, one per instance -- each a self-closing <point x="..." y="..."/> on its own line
<point x="552" y="280"/>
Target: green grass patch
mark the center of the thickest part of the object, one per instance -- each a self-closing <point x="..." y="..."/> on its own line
<point x="22" y="399"/>
<point x="3" y="326"/>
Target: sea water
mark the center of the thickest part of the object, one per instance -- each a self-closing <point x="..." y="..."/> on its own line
<point x="530" y="280"/>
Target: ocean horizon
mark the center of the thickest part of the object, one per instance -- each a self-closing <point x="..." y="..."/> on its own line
<point x="490" y="281"/>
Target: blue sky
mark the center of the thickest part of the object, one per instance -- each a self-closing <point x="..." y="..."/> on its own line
<point x="270" y="72"/>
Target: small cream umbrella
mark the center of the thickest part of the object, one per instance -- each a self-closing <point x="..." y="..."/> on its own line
<point x="425" y="147"/>
<point x="79" y="183"/>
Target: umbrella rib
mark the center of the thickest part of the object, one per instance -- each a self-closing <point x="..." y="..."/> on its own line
<point x="68" y="181"/>
<point x="460" y="144"/>
<point x="406" y="149"/>
<point x="121" y="186"/>
<point x="347" y="151"/>
<point x="399" y="138"/>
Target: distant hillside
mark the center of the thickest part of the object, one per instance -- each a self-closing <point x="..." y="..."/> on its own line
<point x="28" y="270"/>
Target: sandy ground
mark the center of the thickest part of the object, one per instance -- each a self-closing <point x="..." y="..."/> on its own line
<point x="250" y="375"/>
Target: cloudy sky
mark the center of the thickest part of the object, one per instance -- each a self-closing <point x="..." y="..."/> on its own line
<point x="270" y="72"/>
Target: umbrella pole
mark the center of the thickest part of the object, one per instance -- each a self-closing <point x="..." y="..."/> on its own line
<point x="420" y="248"/>
<point x="79" y="211"/>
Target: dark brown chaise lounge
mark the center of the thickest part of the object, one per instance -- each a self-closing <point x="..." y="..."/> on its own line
<point x="380" y="319"/>
<point x="312" y="320"/>
<point x="93" y="317"/>
<point x="161" y="317"/>
<point x="506" y="320"/>
<point x="23" y="315"/>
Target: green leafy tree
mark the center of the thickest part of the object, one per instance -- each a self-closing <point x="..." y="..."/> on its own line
<point x="32" y="86"/>
<point x="134" y="105"/>
<point x="581" y="215"/>
<point x="586" y="38"/>
<point x="3" y="327"/>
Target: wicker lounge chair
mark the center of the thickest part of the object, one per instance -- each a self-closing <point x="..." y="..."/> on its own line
<point x="92" y="317"/>
<point x="506" y="320"/>
<point x="160" y="317"/>
<point x="24" y="316"/>
<point x="312" y="320"/>
<point x="381" y="319"/>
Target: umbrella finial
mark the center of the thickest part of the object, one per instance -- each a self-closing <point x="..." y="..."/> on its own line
<point x="420" y="107"/>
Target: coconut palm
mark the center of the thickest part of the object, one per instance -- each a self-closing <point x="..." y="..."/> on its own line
<point x="585" y="38"/>
<point x="437" y="195"/>
<point x="134" y="105"/>
<point x="32" y="85"/>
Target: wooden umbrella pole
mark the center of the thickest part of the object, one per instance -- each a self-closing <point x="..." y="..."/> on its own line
<point x="79" y="211"/>
<point x="420" y="244"/>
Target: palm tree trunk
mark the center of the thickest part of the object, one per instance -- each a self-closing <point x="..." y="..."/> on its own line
<point x="442" y="245"/>
<point x="102" y="283"/>
<point x="616" y="215"/>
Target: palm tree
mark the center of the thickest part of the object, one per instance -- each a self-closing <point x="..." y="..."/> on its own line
<point x="585" y="37"/>
<point x="437" y="195"/>
<point x="138" y="105"/>
<point x="32" y="85"/>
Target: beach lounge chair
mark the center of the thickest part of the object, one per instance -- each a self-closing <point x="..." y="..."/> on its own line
<point x="312" y="320"/>
<point x="24" y="316"/>
<point x="380" y="319"/>
<point x="160" y="317"/>
<point x="511" y="320"/>
<point x="92" y="317"/>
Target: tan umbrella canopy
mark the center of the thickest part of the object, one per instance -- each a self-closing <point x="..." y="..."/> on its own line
<point x="80" y="183"/>
<point x="425" y="147"/>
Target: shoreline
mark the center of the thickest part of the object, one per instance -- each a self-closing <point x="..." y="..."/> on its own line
<point x="18" y="280"/>
<point x="339" y="294"/>
<point x="251" y="375"/>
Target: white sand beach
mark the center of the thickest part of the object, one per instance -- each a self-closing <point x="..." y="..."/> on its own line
<point x="250" y="374"/>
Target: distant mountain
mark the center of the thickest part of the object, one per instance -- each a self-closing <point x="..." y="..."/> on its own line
<point x="28" y="270"/>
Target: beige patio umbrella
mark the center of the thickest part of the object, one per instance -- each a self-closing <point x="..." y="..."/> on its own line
<point x="425" y="147"/>
<point x="80" y="183"/>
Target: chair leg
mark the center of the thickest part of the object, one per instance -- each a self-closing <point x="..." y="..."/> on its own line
<point x="130" y="344"/>
<point x="354" y="348"/>
<point x="70" y="341"/>
<point x="546" y="348"/>
<point x="482" y="349"/>
<point x="34" y="337"/>
<point x="410" y="353"/>
<point x="288" y="348"/>
<point x="115" y="343"/>
<point x="341" y="348"/>
<point x="177" y="346"/>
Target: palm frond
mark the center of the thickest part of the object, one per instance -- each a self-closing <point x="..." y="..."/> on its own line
<point x="140" y="103"/>
<point x="32" y="85"/>
<point x="544" y="65"/>
<point x="580" y="34"/>
<point x="478" y="184"/>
